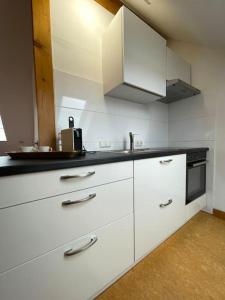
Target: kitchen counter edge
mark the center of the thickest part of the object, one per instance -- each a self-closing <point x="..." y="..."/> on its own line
<point x="10" y="167"/>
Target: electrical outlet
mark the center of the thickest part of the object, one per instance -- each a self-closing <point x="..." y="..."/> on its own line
<point x="138" y="143"/>
<point x="107" y="144"/>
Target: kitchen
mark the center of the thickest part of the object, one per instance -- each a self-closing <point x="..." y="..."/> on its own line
<point x="151" y="179"/>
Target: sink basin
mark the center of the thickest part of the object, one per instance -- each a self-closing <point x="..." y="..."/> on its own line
<point x="143" y="150"/>
<point x="134" y="151"/>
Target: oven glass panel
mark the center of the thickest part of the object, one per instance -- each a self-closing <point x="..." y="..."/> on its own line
<point x="196" y="182"/>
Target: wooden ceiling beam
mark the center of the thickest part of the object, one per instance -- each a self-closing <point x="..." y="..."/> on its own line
<point x="111" y="5"/>
<point x="114" y="5"/>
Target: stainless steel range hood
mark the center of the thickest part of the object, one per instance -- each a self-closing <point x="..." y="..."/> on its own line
<point x="177" y="89"/>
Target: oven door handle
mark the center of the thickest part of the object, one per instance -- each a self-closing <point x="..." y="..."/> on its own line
<point x="195" y="165"/>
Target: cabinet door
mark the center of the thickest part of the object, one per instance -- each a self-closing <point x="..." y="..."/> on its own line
<point x="177" y="67"/>
<point x="144" y="55"/>
<point x="159" y="191"/>
<point x="55" y="276"/>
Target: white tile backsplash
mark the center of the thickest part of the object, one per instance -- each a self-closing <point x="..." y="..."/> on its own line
<point x="193" y="129"/>
<point x="192" y="121"/>
<point x="106" y="118"/>
<point x="97" y="126"/>
<point x="80" y="93"/>
<point x="158" y="112"/>
<point x="194" y="107"/>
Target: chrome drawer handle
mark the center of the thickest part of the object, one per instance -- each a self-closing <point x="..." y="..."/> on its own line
<point x="202" y="163"/>
<point x="166" y="204"/>
<point x="71" y="251"/>
<point x="65" y="177"/>
<point x="69" y="202"/>
<point x="163" y="162"/>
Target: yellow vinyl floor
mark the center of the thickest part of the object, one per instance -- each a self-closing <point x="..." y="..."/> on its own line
<point x="190" y="265"/>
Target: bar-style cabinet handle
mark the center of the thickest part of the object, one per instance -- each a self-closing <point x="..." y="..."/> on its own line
<point x="202" y="163"/>
<point x="166" y="204"/>
<point x="84" y="175"/>
<point x="72" y="202"/>
<point x="163" y="162"/>
<point x="71" y="251"/>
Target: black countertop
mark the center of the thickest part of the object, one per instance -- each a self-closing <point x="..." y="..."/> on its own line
<point x="9" y="166"/>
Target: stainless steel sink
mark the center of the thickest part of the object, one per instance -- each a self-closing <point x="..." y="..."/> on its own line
<point x="134" y="151"/>
<point x="143" y="150"/>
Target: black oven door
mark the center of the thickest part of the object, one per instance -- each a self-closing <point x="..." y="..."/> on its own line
<point x="196" y="180"/>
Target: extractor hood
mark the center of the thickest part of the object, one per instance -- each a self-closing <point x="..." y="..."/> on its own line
<point x="177" y="89"/>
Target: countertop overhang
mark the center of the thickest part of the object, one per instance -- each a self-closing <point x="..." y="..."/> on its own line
<point x="9" y="166"/>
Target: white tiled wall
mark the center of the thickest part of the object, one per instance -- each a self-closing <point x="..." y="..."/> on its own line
<point x="191" y="126"/>
<point x="77" y="27"/>
<point x="105" y="118"/>
<point x="192" y="121"/>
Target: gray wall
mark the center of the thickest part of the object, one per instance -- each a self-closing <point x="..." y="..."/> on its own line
<point x="16" y="73"/>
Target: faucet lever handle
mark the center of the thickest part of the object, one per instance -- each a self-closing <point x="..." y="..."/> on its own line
<point x="133" y="134"/>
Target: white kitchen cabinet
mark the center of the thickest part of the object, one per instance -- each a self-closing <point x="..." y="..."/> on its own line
<point x="55" y="276"/>
<point x="119" y="227"/>
<point x="43" y="215"/>
<point x="159" y="200"/>
<point x="24" y="188"/>
<point x="177" y="67"/>
<point x="134" y="59"/>
<point x="32" y="229"/>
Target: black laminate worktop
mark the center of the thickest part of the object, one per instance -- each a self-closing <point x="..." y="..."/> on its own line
<point x="9" y="166"/>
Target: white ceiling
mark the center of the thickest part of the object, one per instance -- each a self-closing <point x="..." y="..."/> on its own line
<point x="195" y="21"/>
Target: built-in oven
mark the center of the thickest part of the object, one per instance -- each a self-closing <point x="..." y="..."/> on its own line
<point x="196" y="175"/>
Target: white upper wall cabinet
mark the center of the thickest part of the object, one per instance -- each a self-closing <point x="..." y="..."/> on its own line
<point x="177" y="67"/>
<point x="134" y="59"/>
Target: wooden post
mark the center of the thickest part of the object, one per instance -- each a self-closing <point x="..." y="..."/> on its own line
<point x="44" y="72"/>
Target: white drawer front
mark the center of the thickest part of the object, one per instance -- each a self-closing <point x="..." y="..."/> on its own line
<point x="24" y="188"/>
<point x="154" y="224"/>
<point x="159" y="178"/>
<point x="54" y="276"/>
<point x="31" y="229"/>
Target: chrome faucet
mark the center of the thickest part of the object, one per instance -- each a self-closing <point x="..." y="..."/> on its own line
<point x="131" y="141"/>
<point x="131" y="136"/>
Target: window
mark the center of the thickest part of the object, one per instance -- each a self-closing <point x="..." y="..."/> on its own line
<point x="2" y="132"/>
